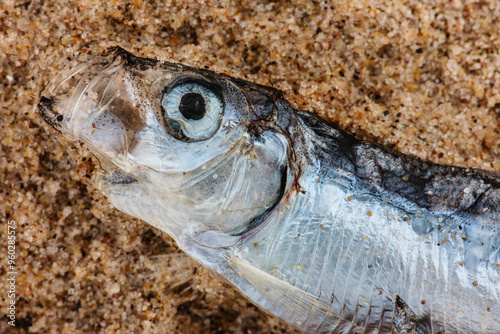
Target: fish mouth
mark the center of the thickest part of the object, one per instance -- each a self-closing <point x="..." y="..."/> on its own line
<point x="92" y="100"/>
<point x="89" y="101"/>
<point x="113" y="177"/>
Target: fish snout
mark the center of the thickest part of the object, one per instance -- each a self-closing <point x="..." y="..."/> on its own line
<point x="94" y="101"/>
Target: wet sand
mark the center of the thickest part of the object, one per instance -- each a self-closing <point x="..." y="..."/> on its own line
<point x="420" y="76"/>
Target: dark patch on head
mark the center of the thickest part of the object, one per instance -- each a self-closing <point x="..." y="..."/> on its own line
<point x="263" y="216"/>
<point x="131" y="60"/>
<point x="261" y="99"/>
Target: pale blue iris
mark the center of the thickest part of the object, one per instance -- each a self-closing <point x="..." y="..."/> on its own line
<point x="200" y="129"/>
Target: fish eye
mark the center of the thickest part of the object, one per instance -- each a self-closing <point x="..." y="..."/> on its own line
<point x="193" y="109"/>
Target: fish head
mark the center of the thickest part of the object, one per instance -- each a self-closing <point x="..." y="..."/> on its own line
<point x="189" y="151"/>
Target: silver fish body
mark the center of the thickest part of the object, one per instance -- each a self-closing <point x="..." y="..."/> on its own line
<point x="332" y="234"/>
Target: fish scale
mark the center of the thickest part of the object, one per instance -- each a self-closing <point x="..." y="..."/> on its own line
<point x="332" y="234"/>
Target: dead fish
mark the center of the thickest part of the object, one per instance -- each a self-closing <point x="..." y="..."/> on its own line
<point x="330" y="233"/>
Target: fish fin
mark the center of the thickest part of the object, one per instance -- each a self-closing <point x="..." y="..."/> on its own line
<point x="406" y="322"/>
<point x="282" y="295"/>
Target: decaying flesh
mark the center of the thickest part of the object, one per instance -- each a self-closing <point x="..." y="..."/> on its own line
<point x="332" y="234"/>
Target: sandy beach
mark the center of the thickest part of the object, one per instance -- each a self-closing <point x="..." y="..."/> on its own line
<point x="422" y="77"/>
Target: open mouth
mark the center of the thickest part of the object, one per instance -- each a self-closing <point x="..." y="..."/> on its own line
<point x="47" y="108"/>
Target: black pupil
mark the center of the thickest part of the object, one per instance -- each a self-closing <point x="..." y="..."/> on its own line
<point x="192" y="106"/>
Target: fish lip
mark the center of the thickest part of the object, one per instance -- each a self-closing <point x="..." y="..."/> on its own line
<point x="46" y="110"/>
